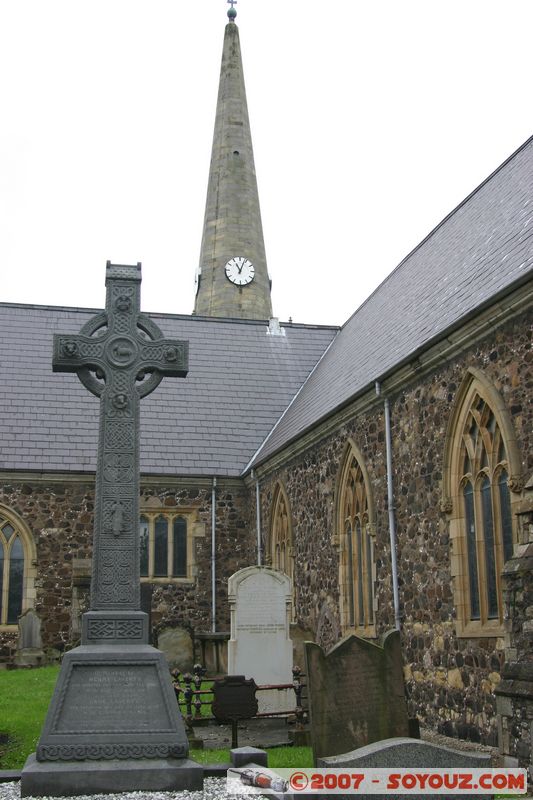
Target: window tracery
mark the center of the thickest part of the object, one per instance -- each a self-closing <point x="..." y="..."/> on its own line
<point x="355" y="526"/>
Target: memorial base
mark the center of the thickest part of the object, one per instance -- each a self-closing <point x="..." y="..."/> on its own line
<point x="113" y="714"/>
<point x="66" y="779"/>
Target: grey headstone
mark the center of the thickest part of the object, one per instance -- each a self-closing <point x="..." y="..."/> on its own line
<point x="410" y="753"/>
<point x="355" y="693"/>
<point x="177" y="645"/>
<point x="29" y="645"/>
<point x="29" y="630"/>
<point x="240" y="756"/>
<point x="113" y="722"/>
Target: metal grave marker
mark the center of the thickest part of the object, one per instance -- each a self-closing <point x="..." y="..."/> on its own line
<point x="113" y="722"/>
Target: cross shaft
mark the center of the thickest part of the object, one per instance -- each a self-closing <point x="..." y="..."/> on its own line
<point x="120" y="356"/>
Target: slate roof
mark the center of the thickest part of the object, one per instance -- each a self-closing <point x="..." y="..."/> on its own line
<point x="211" y="423"/>
<point x="482" y="249"/>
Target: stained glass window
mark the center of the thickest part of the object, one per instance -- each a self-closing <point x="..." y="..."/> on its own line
<point x="144" y="545"/>
<point x="180" y="548"/>
<point x="12" y="564"/>
<point x="161" y="548"/>
<point x="487" y="520"/>
<point x="164" y="545"/>
<point x="357" y="554"/>
<point x="281" y="548"/>
<point x="281" y="539"/>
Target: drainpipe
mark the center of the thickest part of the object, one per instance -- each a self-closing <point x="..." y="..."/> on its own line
<point x="391" y="507"/>
<point x="257" y="519"/>
<point x="213" y="557"/>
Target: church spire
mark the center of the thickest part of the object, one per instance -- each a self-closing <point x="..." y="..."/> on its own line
<point x="232" y="277"/>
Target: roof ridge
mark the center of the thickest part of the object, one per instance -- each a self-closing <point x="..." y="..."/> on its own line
<point x="170" y="315"/>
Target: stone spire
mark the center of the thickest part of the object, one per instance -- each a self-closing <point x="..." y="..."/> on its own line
<point x="232" y="277"/>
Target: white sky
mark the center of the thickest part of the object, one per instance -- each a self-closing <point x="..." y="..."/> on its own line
<point x="370" y="122"/>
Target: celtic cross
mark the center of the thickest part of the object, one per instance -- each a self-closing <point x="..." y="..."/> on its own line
<point x="120" y="356"/>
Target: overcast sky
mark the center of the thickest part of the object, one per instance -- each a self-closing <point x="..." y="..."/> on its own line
<point x="370" y="120"/>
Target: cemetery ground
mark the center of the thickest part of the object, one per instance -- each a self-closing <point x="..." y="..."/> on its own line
<point x="24" y="699"/>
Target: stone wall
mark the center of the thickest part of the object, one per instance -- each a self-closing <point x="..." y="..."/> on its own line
<point x="450" y="680"/>
<point x="60" y="518"/>
<point x="59" y="515"/>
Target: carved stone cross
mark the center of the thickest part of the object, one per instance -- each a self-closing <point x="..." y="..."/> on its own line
<point x="113" y="719"/>
<point x="121" y="356"/>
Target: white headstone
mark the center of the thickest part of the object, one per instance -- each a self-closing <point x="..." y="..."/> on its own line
<point x="260" y="648"/>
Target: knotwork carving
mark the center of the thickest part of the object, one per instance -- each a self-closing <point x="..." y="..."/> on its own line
<point x="162" y="352"/>
<point x="119" y="435"/>
<point x="114" y="629"/>
<point x="111" y="343"/>
<point x="85" y="752"/>
<point x="116" y="576"/>
<point x="101" y="629"/>
<point x="118" y="467"/>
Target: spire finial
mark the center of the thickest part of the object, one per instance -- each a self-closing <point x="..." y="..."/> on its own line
<point x="232" y="13"/>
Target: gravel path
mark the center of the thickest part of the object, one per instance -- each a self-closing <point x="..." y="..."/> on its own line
<point x="214" y="789"/>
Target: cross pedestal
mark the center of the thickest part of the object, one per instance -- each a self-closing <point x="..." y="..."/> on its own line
<point x="113" y="723"/>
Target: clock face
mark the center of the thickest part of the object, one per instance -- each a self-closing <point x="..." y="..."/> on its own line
<point x="240" y="270"/>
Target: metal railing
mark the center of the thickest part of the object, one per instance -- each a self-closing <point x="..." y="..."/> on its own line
<point x="193" y="697"/>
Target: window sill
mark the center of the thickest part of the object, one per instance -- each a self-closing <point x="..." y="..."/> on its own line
<point x="477" y="630"/>
<point x="166" y="581"/>
<point x="363" y="633"/>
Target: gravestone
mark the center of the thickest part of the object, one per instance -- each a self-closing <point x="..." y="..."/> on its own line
<point x="259" y="647"/>
<point x="233" y="700"/>
<point x="355" y="694"/>
<point x="30" y="651"/>
<point x="113" y="723"/>
<point x="405" y="753"/>
<point x="177" y="645"/>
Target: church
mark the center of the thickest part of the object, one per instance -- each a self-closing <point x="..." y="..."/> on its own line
<point x="386" y="466"/>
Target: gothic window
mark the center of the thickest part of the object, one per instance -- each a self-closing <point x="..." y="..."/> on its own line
<point x="16" y="568"/>
<point x="281" y="552"/>
<point x="166" y="550"/>
<point x="354" y="513"/>
<point x="481" y="525"/>
<point x="281" y="545"/>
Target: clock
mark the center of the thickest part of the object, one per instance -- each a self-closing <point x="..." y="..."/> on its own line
<point x="240" y="270"/>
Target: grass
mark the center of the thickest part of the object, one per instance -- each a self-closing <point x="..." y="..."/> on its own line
<point x="24" y="699"/>
<point x="278" y="757"/>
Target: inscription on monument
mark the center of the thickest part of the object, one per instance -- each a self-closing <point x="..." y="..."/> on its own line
<point x="123" y="699"/>
<point x="260" y="611"/>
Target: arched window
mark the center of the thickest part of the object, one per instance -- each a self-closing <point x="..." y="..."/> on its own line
<point x="281" y="552"/>
<point x="166" y="545"/>
<point x="477" y="470"/>
<point x="355" y="526"/>
<point x="17" y="571"/>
